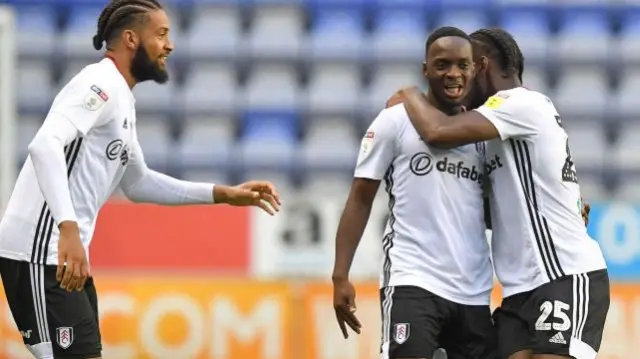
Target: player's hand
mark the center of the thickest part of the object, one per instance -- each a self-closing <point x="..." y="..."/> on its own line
<point x="344" y="303"/>
<point x="586" y="208"/>
<point x="399" y="96"/>
<point x="261" y="194"/>
<point x="73" y="267"/>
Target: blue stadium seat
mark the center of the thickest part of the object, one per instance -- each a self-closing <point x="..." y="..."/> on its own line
<point x="214" y="33"/>
<point x="530" y="28"/>
<point x="587" y="142"/>
<point x="198" y="86"/>
<point x="35" y="89"/>
<point x="27" y="128"/>
<point x="337" y="33"/>
<point x="388" y="79"/>
<point x="626" y="152"/>
<point x="582" y="93"/>
<point x="36" y="31"/>
<point x="626" y="99"/>
<point x="77" y="37"/>
<point x="206" y="142"/>
<point x="272" y="87"/>
<point x="153" y="135"/>
<point x="580" y="34"/>
<point x="276" y="32"/>
<point x="534" y="78"/>
<point x="629" y="39"/>
<point x="330" y="144"/>
<point x="466" y="20"/>
<point x="269" y="141"/>
<point x="153" y="98"/>
<point x="333" y="89"/>
<point x="399" y="35"/>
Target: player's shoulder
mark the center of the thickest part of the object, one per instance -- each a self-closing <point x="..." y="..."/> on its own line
<point x="97" y="77"/>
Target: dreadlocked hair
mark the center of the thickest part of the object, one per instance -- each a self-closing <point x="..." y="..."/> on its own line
<point x="503" y="48"/>
<point x="444" y="31"/>
<point x="119" y="14"/>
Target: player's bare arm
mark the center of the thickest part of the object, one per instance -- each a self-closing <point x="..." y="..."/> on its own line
<point x="352" y="224"/>
<point x="442" y="130"/>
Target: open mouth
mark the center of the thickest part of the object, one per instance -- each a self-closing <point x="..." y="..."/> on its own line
<point x="453" y="90"/>
<point x="163" y="60"/>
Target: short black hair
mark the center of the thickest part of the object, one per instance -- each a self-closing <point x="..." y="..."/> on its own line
<point x="119" y="14"/>
<point x="444" y="31"/>
<point x="501" y="47"/>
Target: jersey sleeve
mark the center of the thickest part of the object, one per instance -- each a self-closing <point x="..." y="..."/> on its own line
<point x="511" y="114"/>
<point x="84" y="102"/>
<point x="378" y="147"/>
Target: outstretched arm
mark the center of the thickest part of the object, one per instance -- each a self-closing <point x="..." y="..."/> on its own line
<point x="442" y="130"/>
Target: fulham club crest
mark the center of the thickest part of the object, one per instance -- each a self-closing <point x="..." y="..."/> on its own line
<point x="401" y="332"/>
<point x="64" y="337"/>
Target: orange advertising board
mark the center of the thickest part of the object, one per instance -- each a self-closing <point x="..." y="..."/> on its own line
<point x="203" y="317"/>
<point x="183" y="318"/>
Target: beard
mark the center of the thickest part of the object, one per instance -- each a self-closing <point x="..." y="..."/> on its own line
<point x="143" y="68"/>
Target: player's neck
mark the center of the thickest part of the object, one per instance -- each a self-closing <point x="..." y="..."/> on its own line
<point x="503" y="84"/>
<point x="123" y="67"/>
<point x="446" y="108"/>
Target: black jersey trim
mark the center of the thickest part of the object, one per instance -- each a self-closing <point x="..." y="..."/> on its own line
<point x="539" y="224"/>
<point x="387" y="241"/>
<point x="44" y="229"/>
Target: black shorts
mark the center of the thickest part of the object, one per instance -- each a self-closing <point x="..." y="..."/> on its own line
<point x="564" y="317"/>
<point x="50" y="319"/>
<point x="415" y="323"/>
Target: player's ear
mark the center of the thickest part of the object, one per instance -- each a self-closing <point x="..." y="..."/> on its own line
<point x="131" y="39"/>
<point x="424" y="68"/>
<point x="484" y="63"/>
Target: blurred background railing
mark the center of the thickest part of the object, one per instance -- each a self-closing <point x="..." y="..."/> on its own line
<point x="283" y="90"/>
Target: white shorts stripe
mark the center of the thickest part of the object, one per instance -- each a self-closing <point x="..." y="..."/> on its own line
<point x="43" y="299"/>
<point x="580" y="304"/>
<point x="35" y="292"/>
<point x="387" y="304"/>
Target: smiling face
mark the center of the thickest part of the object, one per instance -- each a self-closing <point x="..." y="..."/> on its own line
<point x="150" y="59"/>
<point x="449" y="69"/>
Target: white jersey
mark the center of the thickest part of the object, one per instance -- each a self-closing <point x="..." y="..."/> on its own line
<point x="435" y="237"/>
<point x="100" y="104"/>
<point x="538" y="231"/>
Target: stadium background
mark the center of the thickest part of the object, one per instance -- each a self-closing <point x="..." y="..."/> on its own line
<point x="283" y="90"/>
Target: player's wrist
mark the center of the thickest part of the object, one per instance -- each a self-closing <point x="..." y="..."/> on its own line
<point x="338" y="277"/>
<point x="221" y="194"/>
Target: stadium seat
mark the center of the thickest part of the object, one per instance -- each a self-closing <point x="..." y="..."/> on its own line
<point x="530" y="29"/>
<point x="268" y="153"/>
<point x="35" y="88"/>
<point x="580" y="34"/>
<point x="271" y="87"/>
<point x="201" y="80"/>
<point x="70" y="70"/>
<point x="206" y="143"/>
<point x="592" y="87"/>
<point x="534" y="78"/>
<point x="628" y="190"/>
<point x="333" y="89"/>
<point x="330" y="144"/>
<point x="626" y="151"/>
<point x="337" y="33"/>
<point x="400" y="35"/>
<point x="626" y="99"/>
<point x="276" y="32"/>
<point x="592" y="188"/>
<point x="153" y="135"/>
<point x="77" y="37"/>
<point x="386" y="81"/>
<point x="329" y="183"/>
<point x="467" y="21"/>
<point x="214" y="33"/>
<point x="27" y="127"/>
<point x="629" y="39"/>
<point x="153" y="98"/>
<point x="36" y="35"/>
<point x="587" y="143"/>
